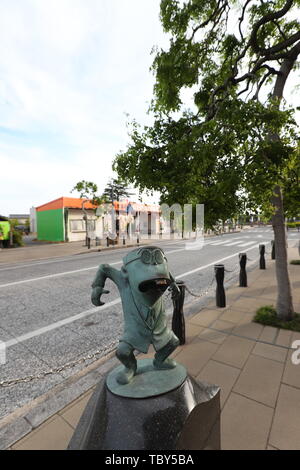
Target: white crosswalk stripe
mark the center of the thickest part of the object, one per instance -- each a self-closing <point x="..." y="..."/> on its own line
<point x="234" y="243"/>
<point x="246" y="244"/>
<point x="222" y="242"/>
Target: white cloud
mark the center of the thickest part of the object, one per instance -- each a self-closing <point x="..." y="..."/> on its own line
<point x="69" y="70"/>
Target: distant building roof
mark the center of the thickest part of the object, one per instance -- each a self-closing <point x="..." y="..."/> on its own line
<point x="18" y="216"/>
<point x="69" y="202"/>
<point x="76" y="203"/>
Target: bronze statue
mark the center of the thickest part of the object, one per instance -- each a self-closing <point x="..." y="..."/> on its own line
<point x="142" y="280"/>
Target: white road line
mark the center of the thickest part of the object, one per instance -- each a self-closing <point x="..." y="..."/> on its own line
<point x="234" y="243"/>
<point x="214" y="262"/>
<point x="246" y="244"/>
<point x="86" y="256"/>
<point x="38" y="263"/>
<point x="70" y="257"/>
<point x="224" y="241"/>
<point x="52" y="275"/>
<point x="73" y="318"/>
<point x="57" y="324"/>
<point x="65" y="273"/>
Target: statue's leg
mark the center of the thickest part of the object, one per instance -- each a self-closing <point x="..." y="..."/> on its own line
<point x="160" y="359"/>
<point x="125" y="354"/>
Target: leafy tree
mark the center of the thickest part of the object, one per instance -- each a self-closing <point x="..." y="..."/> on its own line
<point x="292" y="186"/>
<point x="115" y="190"/>
<point x="88" y="190"/>
<point x="238" y="149"/>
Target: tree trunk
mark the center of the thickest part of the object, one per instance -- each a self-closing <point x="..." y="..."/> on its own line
<point x="284" y="304"/>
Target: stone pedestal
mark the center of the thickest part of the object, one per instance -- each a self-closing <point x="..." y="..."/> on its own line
<point x="183" y="418"/>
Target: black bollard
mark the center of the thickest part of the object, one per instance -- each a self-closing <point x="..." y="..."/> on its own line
<point x="273" y="249"/>
<point x="88" y="242"/>
<point x="138" y="240"/>
<point x="243" y="273"/>
<point x="124" y="242"/>
<point x="178" y="323"/>
<point x="220" y="292"/>
<point x="107" y="241"/>
<point x="262" y="261"/>
<point x="97" y="241"/>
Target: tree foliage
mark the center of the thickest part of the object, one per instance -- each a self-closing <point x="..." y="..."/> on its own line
<point x="88" y="190"/>
<point x="239" y="143"/>
<point x="115" y="190"/>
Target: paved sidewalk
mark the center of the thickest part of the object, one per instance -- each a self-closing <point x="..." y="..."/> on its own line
<point x="260" y="388"/>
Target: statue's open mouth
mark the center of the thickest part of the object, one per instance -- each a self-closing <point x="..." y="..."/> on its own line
<point x="160" y="284"/>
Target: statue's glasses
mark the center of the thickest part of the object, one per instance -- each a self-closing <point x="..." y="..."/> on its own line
<point x="152" y="256"/>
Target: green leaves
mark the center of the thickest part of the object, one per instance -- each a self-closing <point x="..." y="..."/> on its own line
<point x="232" y="152"/>
<point x="88" y="190"/>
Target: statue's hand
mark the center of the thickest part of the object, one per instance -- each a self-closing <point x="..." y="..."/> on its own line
<point x="96" y="294"/>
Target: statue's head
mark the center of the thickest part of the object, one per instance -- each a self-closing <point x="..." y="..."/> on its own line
<point x="147" y="270"/>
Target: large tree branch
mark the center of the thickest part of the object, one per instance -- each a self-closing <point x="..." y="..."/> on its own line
<point x="265" y="19"/>
<point x="282" y="45"/>
<point x="285" y="70"/>
<point x="241" y="19"/>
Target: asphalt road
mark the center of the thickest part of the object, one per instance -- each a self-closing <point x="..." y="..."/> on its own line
<point x="47" y="320"/>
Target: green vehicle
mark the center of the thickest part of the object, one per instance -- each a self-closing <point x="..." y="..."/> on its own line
<point x="4" y="231"/>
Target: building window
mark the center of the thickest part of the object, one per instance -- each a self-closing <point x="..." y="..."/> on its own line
<point x="77" y="225"/>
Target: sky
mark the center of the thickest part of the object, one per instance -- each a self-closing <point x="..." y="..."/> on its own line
<point x="70" y="71"/>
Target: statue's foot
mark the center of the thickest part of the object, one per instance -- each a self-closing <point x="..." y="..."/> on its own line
<point x="167" y="364"/>
<point x="125" y="376"/>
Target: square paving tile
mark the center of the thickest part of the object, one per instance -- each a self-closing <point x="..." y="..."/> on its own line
<point x="252" y="291"/>
<point x="191" y="331"/>
<point x="222" y="325"/>
<point x="234" y="351"/>
<point x="285" y="430"/>
<point x="246" y="304"/>
<point x="195" y="355"/>
<point x="232" y="316"/>
<point x="260" y="380"/>
<point x="248" y="329"/>
<point x="220" y="374"/>
<point x="245" y="424"/>
<point x="54" y="434"/>
<point x="284" y="338"/>
<point x="73" y="412"/>
<point x="212" y="335"/>
<point x="270" y="352"/>
<point x="269" y="334"/>
<point x="205" y="317"/>
<point x="291" y="374"/>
